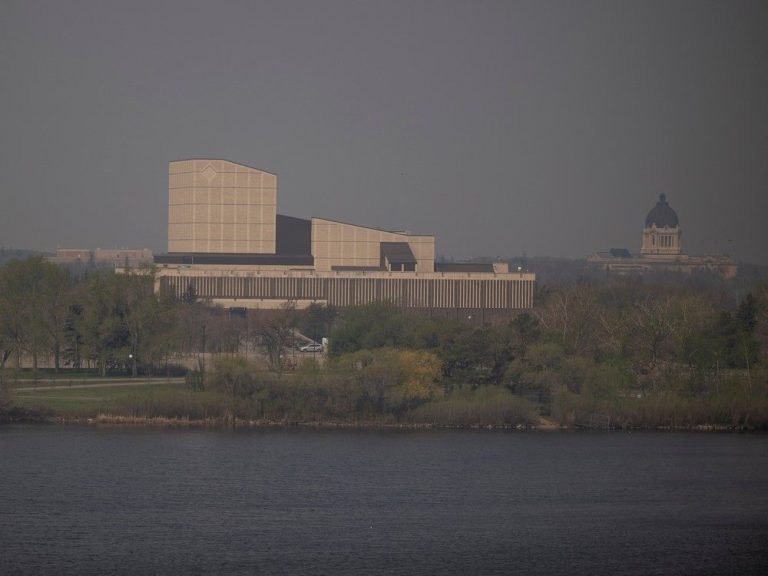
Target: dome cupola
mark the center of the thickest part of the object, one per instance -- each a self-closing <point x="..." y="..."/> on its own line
<point x="661" y="215"/>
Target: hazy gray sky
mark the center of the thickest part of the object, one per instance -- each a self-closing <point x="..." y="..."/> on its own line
<point x="502" y="127"/>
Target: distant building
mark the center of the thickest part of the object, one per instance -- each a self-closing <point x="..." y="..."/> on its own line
<point x="228" y="244"/>
<point x="72" y="256"/>
<point x="117" y="258"/>
<point x="661" y="250"/>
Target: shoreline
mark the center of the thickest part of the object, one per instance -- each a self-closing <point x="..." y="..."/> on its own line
<point x="218" y="423"/>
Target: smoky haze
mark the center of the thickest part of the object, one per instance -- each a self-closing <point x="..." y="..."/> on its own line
<point x="548" y="128"/>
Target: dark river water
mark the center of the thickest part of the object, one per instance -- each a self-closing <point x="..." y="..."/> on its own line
<point x="80" y="500"/>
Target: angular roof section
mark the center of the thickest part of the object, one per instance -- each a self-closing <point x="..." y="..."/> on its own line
<point x="398" y="232"/>
<point x="240" y="164"/>
<point x="397" y="253"/>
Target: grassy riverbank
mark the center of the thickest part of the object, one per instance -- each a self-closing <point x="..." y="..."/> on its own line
<point x="87" y="401"/>
<point x="342" y="400"/>
<point x="287" y="401"/>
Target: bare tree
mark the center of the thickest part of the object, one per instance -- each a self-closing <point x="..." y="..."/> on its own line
<point x="276" y="333"/>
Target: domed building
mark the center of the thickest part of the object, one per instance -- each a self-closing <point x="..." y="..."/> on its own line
<point x="661" y="249"/>
<point x="662" y="234"/>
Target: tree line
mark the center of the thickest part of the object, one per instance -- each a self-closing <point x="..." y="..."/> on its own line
<point x="638" y="352"/>
<point x="102" y="321"/>
<point x="630" y="350"/>
<point x="626" y="353"/>
<point x="118" y="323"/>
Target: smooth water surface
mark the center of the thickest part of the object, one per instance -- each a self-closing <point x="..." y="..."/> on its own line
<point x="86" y="500"/>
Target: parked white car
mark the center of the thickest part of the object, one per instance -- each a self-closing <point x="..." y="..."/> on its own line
<point x="312" y="348"/>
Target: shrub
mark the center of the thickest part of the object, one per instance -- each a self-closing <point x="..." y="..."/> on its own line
<point x="393" y="380"/>
<point x="233" y="377"/>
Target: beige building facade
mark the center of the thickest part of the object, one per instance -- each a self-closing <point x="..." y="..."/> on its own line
<point x="227" y="244"/>
<point x="336" y="244"/>
<point x="216" y="206"/>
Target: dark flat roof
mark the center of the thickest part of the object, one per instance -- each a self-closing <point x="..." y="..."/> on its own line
<point x="463" y="267"/>
<point x="357" y="268"/>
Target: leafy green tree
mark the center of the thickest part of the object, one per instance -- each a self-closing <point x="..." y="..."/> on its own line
<point x="13" y="311"/>
<point x="151" y="320"/>
<point x="418" y="381"/>
<point x="117" y="320"/>
<point x="525" y="331"/>
<point x="392" y="381"/>
<point x="140" y="315"/>
<point x="72" y="353"/>
<point x="467" y="356"/>
<point x="105" y="335"/>
<point x="55" y="301"/>
<point x="316" y="321"/>
<point x="33" y="273"/>
<point x="33" y="302"/>
<point x="369" y="326"/>
<point x="165" y="336"/>
<point x="537" y="376"/>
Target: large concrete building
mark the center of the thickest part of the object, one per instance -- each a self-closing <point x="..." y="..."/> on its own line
<point x="661" y="249"/>
<point x="228" y="244"/>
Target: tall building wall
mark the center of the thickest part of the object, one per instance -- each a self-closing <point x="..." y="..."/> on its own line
<point x="348" y="245"/>
<point x="423" y="248"/>
<point x="217" y="206"/>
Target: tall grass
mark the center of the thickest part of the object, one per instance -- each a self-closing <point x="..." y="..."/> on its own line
<point x="486" y="406"/>
<point x="666" y="409"/>
<point x="193" y="405"/>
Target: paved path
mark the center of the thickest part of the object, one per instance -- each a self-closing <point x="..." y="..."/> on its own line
<point x="112" y="383"/>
